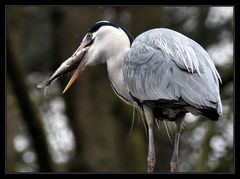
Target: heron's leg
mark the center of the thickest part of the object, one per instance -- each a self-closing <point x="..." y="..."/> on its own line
<point x="174" y="160"/>
<point x="148" y="113"/>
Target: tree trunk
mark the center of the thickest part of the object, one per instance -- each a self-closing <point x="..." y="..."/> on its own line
<point x="30" y="114"/>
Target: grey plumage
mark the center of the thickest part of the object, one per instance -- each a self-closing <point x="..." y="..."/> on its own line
<point x="164" y="64"/>
<point x="164" y="74"/>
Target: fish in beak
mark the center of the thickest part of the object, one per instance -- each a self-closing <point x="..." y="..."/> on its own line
<point x="76" y="61"/>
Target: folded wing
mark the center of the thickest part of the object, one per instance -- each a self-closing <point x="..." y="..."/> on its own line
<point x="164" y="65"/>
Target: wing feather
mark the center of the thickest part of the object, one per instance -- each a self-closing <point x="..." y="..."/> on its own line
<point x="164" y="64"/>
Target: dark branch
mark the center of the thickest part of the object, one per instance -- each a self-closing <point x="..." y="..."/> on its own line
<point x="30" y="114"/>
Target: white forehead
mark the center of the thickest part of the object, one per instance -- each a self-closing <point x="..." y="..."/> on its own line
<point x="108" y="29"/>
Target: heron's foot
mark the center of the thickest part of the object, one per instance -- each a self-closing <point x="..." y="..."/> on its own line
<point x="174" y="163"/>
<point x="151" y="164"/>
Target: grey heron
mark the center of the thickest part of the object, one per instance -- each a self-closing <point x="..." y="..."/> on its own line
<point x="162" y="73"/>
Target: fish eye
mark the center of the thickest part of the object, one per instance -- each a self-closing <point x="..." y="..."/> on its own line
<point x="89" y="35"/>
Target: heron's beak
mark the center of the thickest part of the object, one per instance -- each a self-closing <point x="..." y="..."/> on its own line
<point x="80" y="66"/>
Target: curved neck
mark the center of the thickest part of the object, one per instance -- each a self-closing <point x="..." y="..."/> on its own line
<point x="115" y="74"/>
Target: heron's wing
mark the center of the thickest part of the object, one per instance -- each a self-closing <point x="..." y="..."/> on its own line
<point x="165" y="65"/>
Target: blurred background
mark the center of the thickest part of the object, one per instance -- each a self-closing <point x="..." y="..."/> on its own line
<point x="88" y="128"/>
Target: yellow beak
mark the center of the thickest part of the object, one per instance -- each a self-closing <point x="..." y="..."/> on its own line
<point x="75" y="75"/>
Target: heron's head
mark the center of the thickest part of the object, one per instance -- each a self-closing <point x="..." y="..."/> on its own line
<point x="104" y="41"/>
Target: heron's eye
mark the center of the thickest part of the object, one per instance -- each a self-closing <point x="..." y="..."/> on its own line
<point x="89" y="36"/>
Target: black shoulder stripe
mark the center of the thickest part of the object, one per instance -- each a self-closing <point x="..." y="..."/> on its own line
<point x="166" y="103"/>
<point x="210" y="113"/>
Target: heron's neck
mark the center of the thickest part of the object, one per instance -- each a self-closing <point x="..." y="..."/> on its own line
<point x="115" y="73"/>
